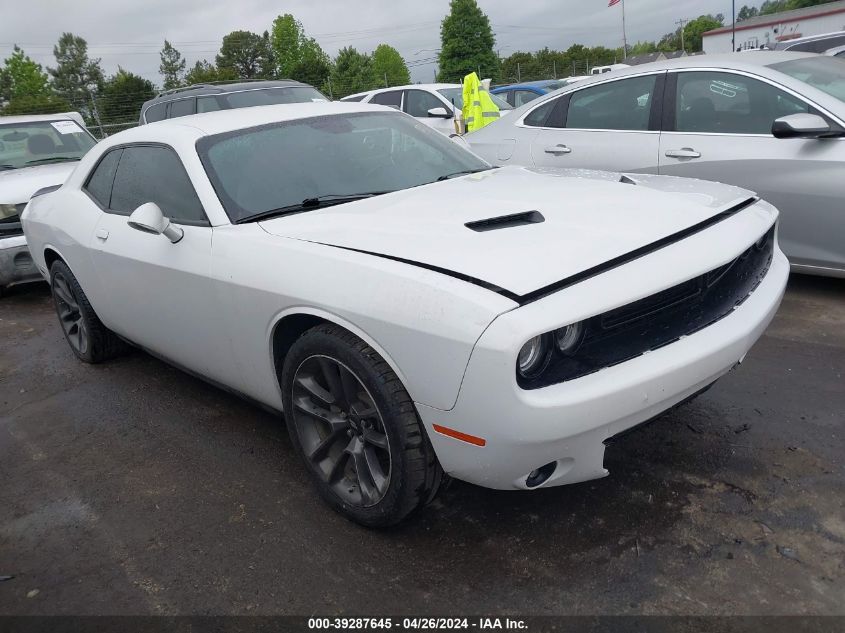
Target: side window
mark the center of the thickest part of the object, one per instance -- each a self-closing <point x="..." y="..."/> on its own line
<point x="182" y="107"/>
<point x="507" y="95"/>
<point x="521" y="97"/>
<point x="419" y="102"/>
<point x="724" y="103"/>
<point x="392" y="99"/>
<point x="155" y="174"/>
<point x="616" y="105"/>
<point x="207" y="104"/>
<point x="155" y="113"/>
<point x="100" y="181"/>
<point x="538" y="116"/>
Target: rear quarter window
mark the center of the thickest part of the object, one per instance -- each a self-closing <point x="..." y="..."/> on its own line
<point x="155" y="112"/>
<point x="101" y="179"/>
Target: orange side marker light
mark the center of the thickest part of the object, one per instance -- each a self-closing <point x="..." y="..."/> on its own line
<point x="464" y="437"/>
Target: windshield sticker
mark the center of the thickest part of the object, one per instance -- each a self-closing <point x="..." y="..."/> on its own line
<point x="66" y="127"/>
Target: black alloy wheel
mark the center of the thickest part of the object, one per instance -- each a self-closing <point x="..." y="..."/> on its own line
<point x="70" y="316"/>
<point x="356" y="428"/>
<point x="89" y="339"/>
<point x="341" y="430"/>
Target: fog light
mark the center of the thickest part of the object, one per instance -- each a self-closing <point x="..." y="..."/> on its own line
<point x="541" y="475"/>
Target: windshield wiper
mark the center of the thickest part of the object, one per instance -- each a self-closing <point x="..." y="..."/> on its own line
<point x="309" y="204"/>
<point x="461" y="173"/>
<point x="7" y="166"/>
<point x="51" y="158"/>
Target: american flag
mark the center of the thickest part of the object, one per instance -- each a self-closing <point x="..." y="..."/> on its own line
<point x="613" y="2"/>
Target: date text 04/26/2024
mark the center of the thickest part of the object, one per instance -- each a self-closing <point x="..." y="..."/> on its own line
<point x="416" y="624"/>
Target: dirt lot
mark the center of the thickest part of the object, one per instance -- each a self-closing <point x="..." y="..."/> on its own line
<point x="133" y="488"/>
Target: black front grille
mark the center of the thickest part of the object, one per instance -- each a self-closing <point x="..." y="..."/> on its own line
<point x="11" y="225"/>
<point x="9" y="228"/>
<point x="631" y="330"/>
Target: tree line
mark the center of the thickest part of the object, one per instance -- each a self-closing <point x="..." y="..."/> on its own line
<point x="467" y="44"/>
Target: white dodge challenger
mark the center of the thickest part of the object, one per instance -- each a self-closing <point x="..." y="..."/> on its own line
<point x="412" y="311"/>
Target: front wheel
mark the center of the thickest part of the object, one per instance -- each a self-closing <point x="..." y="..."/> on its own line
<point x="357" y="429"/>
<point x="89" y="339"/>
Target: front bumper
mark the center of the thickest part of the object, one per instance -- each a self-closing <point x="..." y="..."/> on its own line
<point x="568" y="423"/>
<point x="16" y="264"/>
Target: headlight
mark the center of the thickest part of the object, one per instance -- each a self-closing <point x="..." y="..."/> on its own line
<point x="10" y="210"/>
<point x="534" y="356"/>
<point x="568" y="339"/>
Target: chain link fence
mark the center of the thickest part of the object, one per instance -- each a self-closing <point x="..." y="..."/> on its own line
<point x="108" y="114"/>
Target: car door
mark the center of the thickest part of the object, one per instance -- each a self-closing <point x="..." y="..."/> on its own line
<point x="155" y="293"/>
<point x="718" y="127"/>
<point x="521" y="97"/>
<point x="417" y="103"/>
<point x="612" y="125"/>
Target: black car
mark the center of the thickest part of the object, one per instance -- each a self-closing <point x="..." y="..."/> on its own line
<point x="224" y="96"/>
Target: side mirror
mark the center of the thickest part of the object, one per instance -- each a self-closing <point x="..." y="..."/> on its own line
<point x="800" y="125"/>
<point x="440" y="113"/>
<point x="148" y="218"/>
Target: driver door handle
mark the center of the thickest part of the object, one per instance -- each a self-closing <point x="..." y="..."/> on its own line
<point x="101" y="234"/>
<point x="557" y="149"/>
<point x="684" y="152"/>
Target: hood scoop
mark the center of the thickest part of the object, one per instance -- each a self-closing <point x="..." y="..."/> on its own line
<point x="506" y="221"/>
<point x="627" y="180"/>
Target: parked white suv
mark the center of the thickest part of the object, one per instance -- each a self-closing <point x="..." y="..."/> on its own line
<point x="36" y="151"/>
<point x="433" y="104"/>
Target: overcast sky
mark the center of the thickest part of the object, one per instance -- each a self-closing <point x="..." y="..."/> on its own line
<point x="131" y="32"/>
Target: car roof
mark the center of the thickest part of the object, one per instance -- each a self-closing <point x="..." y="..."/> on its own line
<point x="29" y="118"/>
<point x="435" y="86"/>
<point x="221" y="121"/>
<point x="222" y="88"/>
<point x="750" y="62"/>
<point x="528" y="84"/>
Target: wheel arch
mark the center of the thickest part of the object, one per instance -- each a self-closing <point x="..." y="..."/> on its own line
<point x="289" y="325"/>
<point x="51" y="255"/>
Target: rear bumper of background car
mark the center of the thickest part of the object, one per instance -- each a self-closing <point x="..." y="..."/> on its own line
<point x="16" y="265"/>
<point x="566" y="424"/>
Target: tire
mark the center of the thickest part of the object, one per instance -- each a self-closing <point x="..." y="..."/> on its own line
<point x="356" y="429"/>
<point x="89" y="339"/>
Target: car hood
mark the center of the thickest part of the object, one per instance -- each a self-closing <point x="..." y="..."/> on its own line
<point x="589" y="218"/>
<point x="18" y="185"/>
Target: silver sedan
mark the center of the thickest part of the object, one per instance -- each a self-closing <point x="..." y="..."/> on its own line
<point x="772" y="122"/>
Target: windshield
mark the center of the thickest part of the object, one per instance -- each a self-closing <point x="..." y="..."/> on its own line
<point x="258" y="170"/>
<point x="41" y="142"/>
<point x="273" y="96"/>
<point x="825" y="73"/>
<point x="456" y="96"/>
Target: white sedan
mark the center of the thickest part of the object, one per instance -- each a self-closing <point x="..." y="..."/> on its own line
<point x="432" y="104"/>
<point x="411" y="310"/>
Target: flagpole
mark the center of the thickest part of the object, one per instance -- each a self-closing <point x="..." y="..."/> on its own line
<point x="624" y="37"/>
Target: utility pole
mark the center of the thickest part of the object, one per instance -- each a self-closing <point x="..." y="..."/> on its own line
<point x="682" y="23"/>
<point x="624" y="36"/>
<point x="733" y="26"/>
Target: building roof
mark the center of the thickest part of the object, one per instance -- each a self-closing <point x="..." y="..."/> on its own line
<point x="645" y="58"/>
<point x="773" y="19"/>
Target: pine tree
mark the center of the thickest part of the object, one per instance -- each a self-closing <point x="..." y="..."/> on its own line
<point x="75" y="77"/>
<point x="172" y="66"/>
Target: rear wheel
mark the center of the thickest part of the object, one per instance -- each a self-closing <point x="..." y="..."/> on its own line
<point x="89" y="339"/>
<point x="356" y="428"/>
